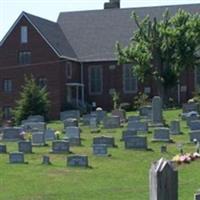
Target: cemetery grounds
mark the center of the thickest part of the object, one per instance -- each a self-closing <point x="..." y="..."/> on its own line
<point x="123" y="176"/>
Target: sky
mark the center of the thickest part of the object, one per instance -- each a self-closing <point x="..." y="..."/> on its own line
<point x="49" y="9"/>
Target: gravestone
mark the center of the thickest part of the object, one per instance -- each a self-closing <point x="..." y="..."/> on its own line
<point x="35" y="118"/>
<point x="16" y="158"/>
<point x="138" y="126"/>
<point x="49" y="135"/>
<point x="70" y="122"/>
<point x="193" y="115"/>
<point x="161" y="135"/>
<point x="111" y="122"/>
<point x="163" y="149"/>
<point x="120" y="113"/>
<point x="197" y="196"/>
<point x="3" y="148"/>
<point x="70" y="114"/>
<point x="157" y="117"/>
<point x="25" y="147"/>
<point x="163" y="181"/>
<point x="99" y="114"/>
<point x="100" y="149"/>
<point x="86" y="119"/>
<point x="60" y="146"/>
<point x="34" y="126"/>
<point x="108" y="141"/>
<point x="194" y="135"/>
<point x="128" y="133"/>
<point x="12" y="133"/>
<point x="72" y="132"/>
<point x="77" y="161"/>
<point x="188" y="107"/>
<point x="38" y="139"/>
<point x="74" y="141"/>
<point x="194" y="125"/>
<point x="136" y="142"/>
<point x="146" y="111"/>
<point x="46" y="160"/>
<point x="175" y="127"/>
<point x="134" y="118"/>
<point x="93" y="125"/>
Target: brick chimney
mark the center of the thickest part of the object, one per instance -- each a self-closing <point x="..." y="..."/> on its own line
<point x="112" y="4"/>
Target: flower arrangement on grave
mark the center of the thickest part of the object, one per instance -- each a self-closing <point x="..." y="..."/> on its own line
<point x="186" y="158"/>
<point x="28" y="136"/>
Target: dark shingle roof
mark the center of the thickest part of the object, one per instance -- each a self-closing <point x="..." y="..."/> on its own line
<point x="93" y="34"/>
<point x="54" y="35"/>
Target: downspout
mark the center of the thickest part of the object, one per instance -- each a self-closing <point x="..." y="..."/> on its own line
<point x="82" y="82"/>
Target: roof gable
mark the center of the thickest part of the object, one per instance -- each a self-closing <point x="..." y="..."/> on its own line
<point x="50" y="32"/>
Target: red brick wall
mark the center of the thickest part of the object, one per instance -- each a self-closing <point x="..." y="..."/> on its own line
<point x="45" y="63"/>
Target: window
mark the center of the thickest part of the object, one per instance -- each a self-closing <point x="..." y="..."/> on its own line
<point x="7" y="85"/>
<point x="129" y="79"/>
<point x="42" y="82"/>
<point x="24" y="34"/>
<point x="7" y="112"/>
<point x="95" y="80"/>
<point x="68" y="69"/>
<point x="24" y="57"/>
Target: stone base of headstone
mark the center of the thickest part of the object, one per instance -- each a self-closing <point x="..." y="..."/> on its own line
<point x="155" y="125"/>
<point x="3" y="148"/>
<point x="74" y="141"/>
<point x="163" y="140"/>
<point x="46" y="160"/>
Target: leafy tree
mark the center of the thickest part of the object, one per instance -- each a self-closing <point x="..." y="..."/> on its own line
<point x="33" y="101"/>
<point x="161" y="50"/>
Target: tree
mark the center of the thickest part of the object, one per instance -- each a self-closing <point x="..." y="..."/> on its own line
<point x="161" y="50"/>
<point x="33" y="101"/>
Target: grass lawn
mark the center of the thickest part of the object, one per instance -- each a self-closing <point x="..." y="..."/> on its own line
<point x="123" y="176"/>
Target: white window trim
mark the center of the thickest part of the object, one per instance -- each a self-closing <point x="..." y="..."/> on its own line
<point x="124" y="88"/>
<point x="89" y="79"/>
<point x="68" y="75"/>
<point x="24" y="34"/>
<point x="7" y="85"/>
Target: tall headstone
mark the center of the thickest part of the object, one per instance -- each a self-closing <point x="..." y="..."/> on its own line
<point x="157" y="117"/>
<point x="163" y="180"/>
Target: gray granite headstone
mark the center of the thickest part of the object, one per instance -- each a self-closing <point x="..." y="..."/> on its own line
<point x="163" y="181"/>
<point x="175" y="127"/>
<point x="12" y="133"/>
<point x="161" y="135"/>
<point x="157" y="117"/>
<point x="194" y="135"/>
<point x="70" y="122"/>
<point x="72" y="132"/>
<point x="16" y="157"/>
<point x="138" y="126"/>
<point x="100" y="149"/>
<point x="38" y="139"/>
<point x="121" y="114"/>
<point x="188" y="107"/>
<point x="35" y="118"/>
<point x="134" y="118"/>
<point x="111" y="122"/>
<point x="46" y="160"/>
<point x="60" y="146"/>
<point x="86" y="119"/>
<point x="34" y="126"/>
<point x="146" y="111"/>
<point x="77" y="161"/>
<point x="136" y="142"/>
<point x="49" y="135"/>
<point x="25" y="147"/>
<point x="3" y="148"/>
<point x="93" y="124"/>
<point x="70" y="114"/>
<point x="128" y="133"/>
<point x="74" y="141"/>
<point x="108" y="141"/>
<point x="197" y="196"/>
<point x="195" y="125"/>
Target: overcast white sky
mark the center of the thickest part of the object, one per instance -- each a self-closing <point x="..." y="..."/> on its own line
<point x="49" y="9"/>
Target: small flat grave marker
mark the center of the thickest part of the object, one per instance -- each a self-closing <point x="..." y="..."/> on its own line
<point x="16" y="158"/>
<point x="77" y="161"/>
<point x="100" y="150"/>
